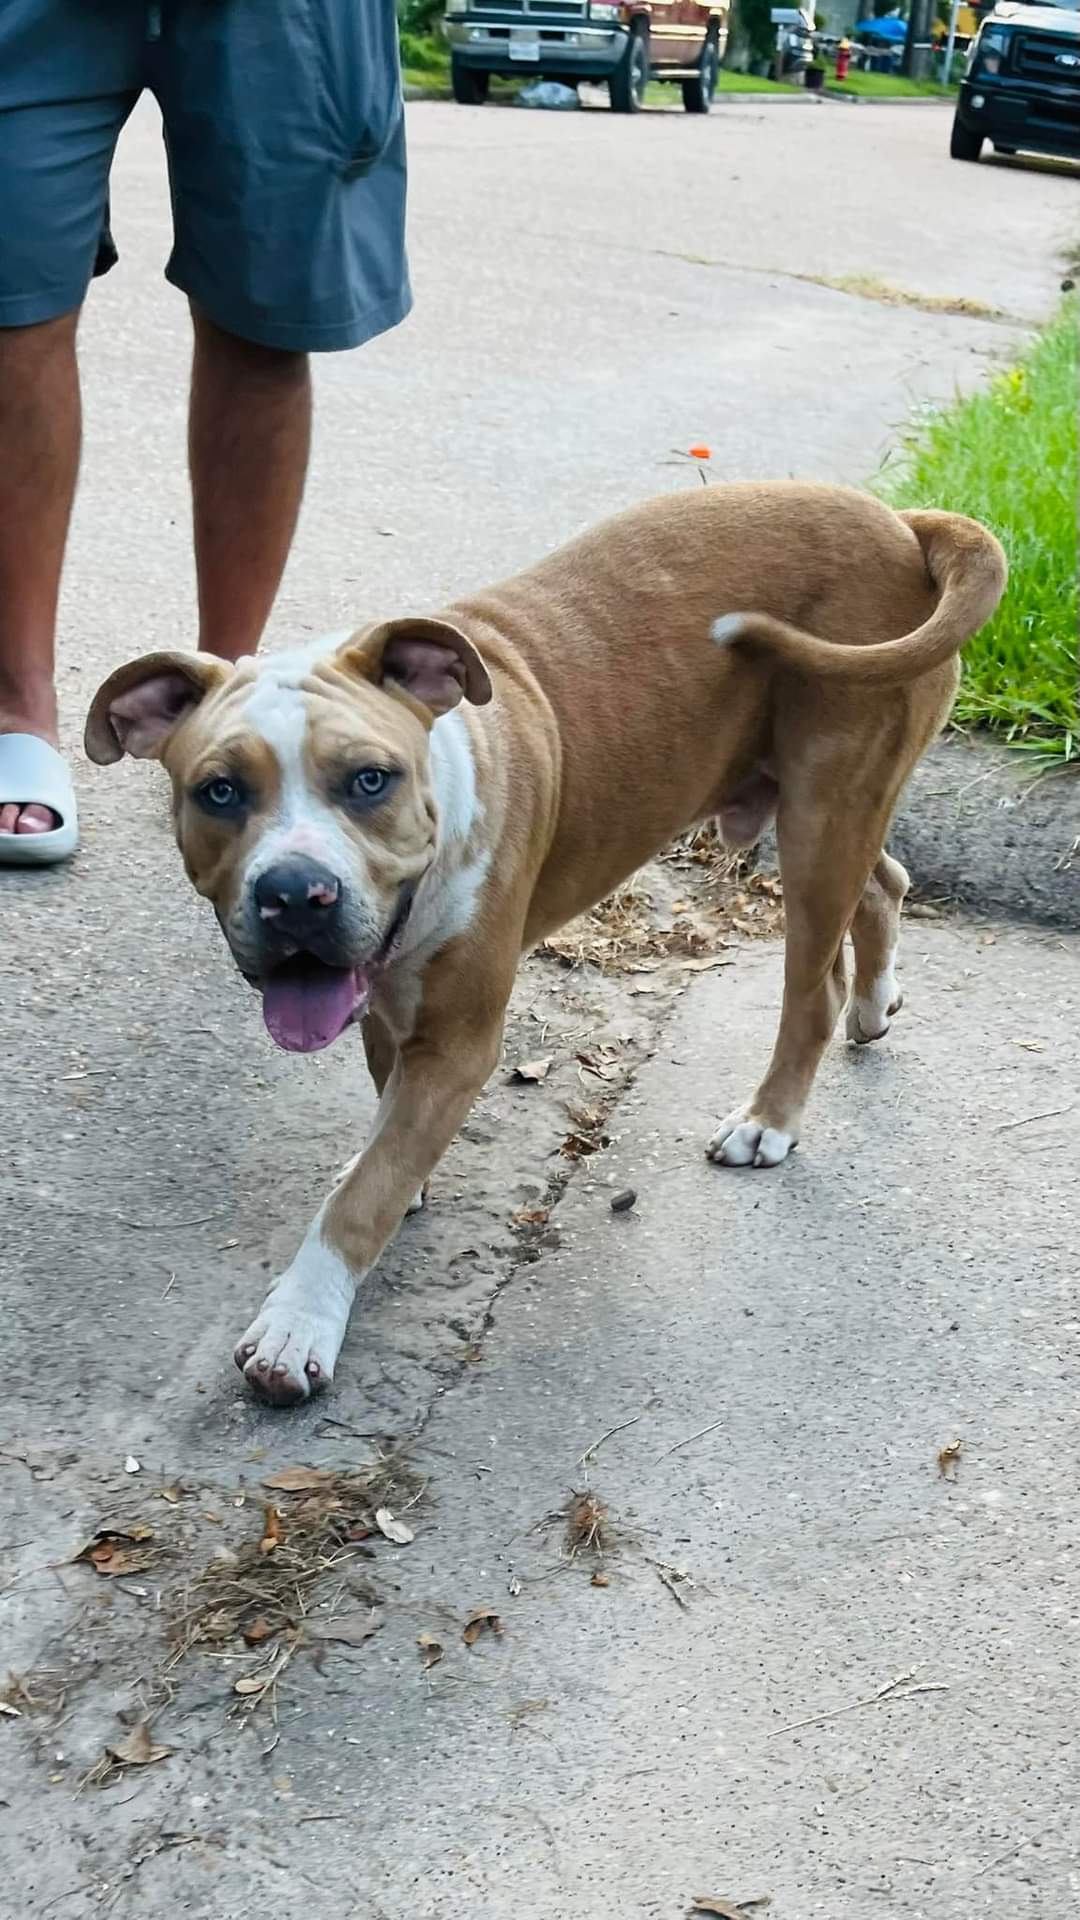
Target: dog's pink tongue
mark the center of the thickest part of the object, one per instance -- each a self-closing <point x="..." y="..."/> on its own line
<point x="306" y="1005"/>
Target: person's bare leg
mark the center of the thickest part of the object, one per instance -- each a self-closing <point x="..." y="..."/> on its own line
<point x="248" y="441"/>
<point x="40" y="432"/>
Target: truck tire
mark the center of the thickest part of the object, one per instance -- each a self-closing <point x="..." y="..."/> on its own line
<point x="469" y="85"/>
<point x="698" y="93"/>
<point x="627" y="84"/>
<point x="963" y="144"/>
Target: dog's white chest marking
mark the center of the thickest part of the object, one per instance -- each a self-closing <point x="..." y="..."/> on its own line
<point x="446" y="901"/>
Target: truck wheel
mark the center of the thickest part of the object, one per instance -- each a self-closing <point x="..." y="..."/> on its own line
<point x="697" y="94"/>
<point x="963" y="144"/>
<point x="631" y="77"/>
<point x="469" y="85"/>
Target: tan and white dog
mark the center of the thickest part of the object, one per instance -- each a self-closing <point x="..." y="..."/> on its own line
<point x="385" y="823"/>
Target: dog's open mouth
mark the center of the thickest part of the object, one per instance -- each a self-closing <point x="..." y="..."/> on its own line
<point x="308" y="1002"/>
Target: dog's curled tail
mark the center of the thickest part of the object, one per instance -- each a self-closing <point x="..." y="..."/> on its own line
<point x="965" y="563"/>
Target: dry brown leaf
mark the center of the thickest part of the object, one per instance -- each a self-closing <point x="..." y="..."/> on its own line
<point x="272" y="1531"/>
<point x="258" y="1631"/>
<point x="948" y="1458"/>
<point x="296" y="1479"/>
<point x="347" y="1630"/>
<point x="481" y="1620"/>
<point x="251" y="1683"/>
<point x="593" y="1065"/>
<point x="395" y="1530"/>
<point x="706" y="961"/>
<point x="111" y="1552"/>
<point x="13" y="1713"/>
<point x="600" y="1580"/>
<point x="172" y="1494"/>
<point x="137" y="1749"/>
<point x="533" y="1071"/>
<point x="530" y="1216"/>
<point x="431" y="1648"/>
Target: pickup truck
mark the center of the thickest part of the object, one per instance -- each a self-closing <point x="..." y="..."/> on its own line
<point x="626" y="43"/>
<point x="1022" y="84"/>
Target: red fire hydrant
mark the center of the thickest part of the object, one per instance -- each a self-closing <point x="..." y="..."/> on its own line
<point x="843" y="59"/>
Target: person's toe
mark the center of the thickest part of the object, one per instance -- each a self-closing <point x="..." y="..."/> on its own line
<point x="35" y="819"/>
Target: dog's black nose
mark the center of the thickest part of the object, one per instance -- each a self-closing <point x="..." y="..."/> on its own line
<point x="296" y="897"/>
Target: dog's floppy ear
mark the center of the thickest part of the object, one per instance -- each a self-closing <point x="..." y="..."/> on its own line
<point x="429" y="659"/>
<point x="139" y="705"/>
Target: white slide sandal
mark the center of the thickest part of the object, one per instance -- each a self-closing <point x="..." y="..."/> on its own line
<point x="33" y="774"/>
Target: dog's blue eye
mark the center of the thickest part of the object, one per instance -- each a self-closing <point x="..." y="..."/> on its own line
<point x="221" y="796"/>
<point x="369" y="783"/>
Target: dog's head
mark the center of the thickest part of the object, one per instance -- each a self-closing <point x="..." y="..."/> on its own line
<point x="303" y="797"/>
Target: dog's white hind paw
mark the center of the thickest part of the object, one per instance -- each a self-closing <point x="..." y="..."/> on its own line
<point x="742" y="1141"/>
<point x="869" y="1019"/>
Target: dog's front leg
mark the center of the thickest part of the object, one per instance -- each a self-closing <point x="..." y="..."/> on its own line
<point x="290" y="1350"/>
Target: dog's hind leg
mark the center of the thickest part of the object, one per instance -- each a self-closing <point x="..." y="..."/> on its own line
<point x="831" y="823"/>
<point x="875" y="934"/>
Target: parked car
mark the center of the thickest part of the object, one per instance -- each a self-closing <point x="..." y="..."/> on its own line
<point x="1022" y="83"/>
<point x="625" y="42"/>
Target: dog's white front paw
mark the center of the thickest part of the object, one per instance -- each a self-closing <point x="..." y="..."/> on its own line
<point x="289" y="1352"/>
<point x="742" y="1141"/>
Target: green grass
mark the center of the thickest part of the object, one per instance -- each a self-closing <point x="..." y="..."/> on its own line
<point x="888" y="86"/>
<point x="731" y="82"/>
<point x="1008" y="457"/>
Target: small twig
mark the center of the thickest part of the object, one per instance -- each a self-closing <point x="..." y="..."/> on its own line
<point x="306" y="1818"/>
<point x="166" y="1226"/>
<point x="888" y="1692"/>
<point x="1004" y="1857"/>
<point x="699" y="1435"/>
<point x="584" y="1458"/>
<point x="1028" y="1119"/>
<point x="670" y="1577"/>
<point x="169" y="1288"/>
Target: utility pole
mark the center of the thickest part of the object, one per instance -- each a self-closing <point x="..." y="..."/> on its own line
<point x="917" y="26"/>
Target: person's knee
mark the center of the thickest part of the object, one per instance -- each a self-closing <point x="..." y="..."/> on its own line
<point x="279" y="364"/>
<point x="41" y="338"/>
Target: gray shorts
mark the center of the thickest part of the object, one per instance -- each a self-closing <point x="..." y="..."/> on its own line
<point x="285" y="138"/>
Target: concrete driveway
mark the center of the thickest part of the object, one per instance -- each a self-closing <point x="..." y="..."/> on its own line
<point x="594" y="295"/>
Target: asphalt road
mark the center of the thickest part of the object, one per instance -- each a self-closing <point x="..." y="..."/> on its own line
<point x="593" y="295"/>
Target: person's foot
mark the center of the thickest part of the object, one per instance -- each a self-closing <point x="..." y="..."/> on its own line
<point x="34" y="713"/>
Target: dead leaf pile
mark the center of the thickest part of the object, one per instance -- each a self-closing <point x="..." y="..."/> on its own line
<point x="949" y="1458"/>
<point x="269" y="1586"/>
<point x="629" y="933"/>
<point x="585" y="1518"/>
<point x="588" y="1135"/>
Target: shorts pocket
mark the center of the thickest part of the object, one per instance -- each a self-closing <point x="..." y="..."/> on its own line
<point x="354" y="50"/>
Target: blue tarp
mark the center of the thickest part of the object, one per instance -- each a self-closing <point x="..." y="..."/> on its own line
<point x="888" y="29"/>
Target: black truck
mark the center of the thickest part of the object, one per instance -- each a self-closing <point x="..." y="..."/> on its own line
<point x="1022" y="84"/>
